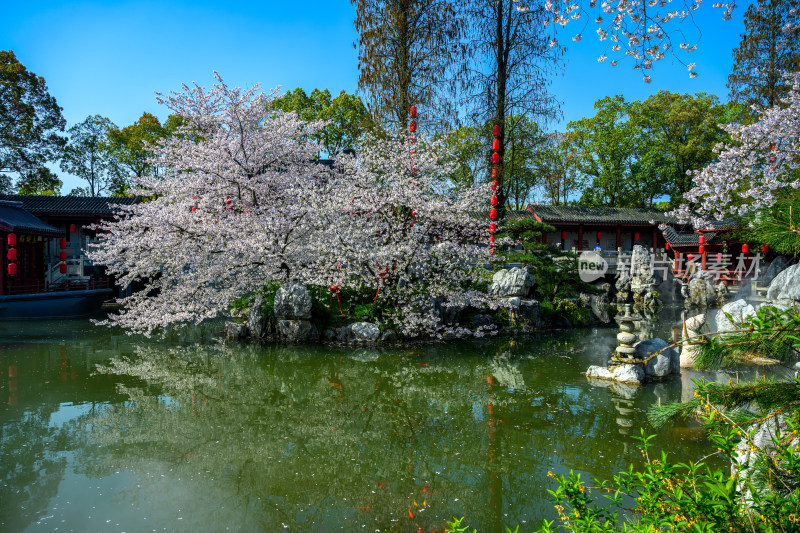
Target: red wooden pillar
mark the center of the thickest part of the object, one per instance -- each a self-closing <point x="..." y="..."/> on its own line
<point x="704" y="255"/>
<point x="580" y="237"/>
<point x="655" y="239"/>
<point x="677" y="262"/>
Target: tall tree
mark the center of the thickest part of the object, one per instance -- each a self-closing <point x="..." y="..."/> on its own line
<point x="509" y="70"/>
<point x="347" y="117"/>
<point x="526" y="143"/>
<point x="132" y="147"/>
<point x="765" y="52"/>
<point x="557" y="168"/>
<point x="87" y="156"/>
<point x="40" y="182"/>
<point x="406" y="51"/>
<point x="30" y="122"/>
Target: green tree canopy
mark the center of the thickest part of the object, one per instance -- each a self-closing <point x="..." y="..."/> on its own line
<point x="30" y="123"/>
<point x="347" y="116"/>
<point x="87" y="157"/>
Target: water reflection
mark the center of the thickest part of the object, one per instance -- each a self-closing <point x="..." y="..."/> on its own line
<point x="111" y="432"/>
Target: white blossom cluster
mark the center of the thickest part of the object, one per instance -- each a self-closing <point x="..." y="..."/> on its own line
<point x="641" y="29"/>
<point x="242" y="204"/>
<point x="750" y="172"/>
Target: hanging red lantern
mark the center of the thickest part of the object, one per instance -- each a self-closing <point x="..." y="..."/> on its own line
<point x="12" y="269"/>
<point x="62" y="268"/>
<point x="493" y="214"/>
<point x="563" y="235"/>
<point x="12" y="254"/>
<point x="745" y="248"/>
<point x="764" y="248"/>
<point x="702" y="239"/>
<point x="72" y="228"/>
<point x="495" y="158"/>
<point x="636" y="236"/>
<point x="12" y="239"/>
<point x="63" y="243"/>
<point x="413" y="126"/>
<point x="494" y="185"/>
<point x="194" y="209"/>
<point x="702" y="249"/>
<point x="496" y="145"/>
<point x="412" y="139"/>
<point x="413" y="111"/>
<point x="62" y="256"/>
<point x="491" y="239"/>
<point x="496" y="131"/>
<point x="599" y="235"/>
<point x="492" y="228"/>
<point x="413" y="213"/>
<point x="689" y="257"/>
<point x="666" y="246"/>
<point x="493" y="201"/>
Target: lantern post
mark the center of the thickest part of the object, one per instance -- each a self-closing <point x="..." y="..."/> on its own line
<point x="494" y="200"/>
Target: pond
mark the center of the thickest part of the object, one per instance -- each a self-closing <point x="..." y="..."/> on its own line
<point x="101" y="431"/>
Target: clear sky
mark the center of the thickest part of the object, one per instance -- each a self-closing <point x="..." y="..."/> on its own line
<point x="109" y="57"/>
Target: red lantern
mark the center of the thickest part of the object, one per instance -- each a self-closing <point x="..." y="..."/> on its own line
<point x="62" y="256"/>
<point x="666" y="246"/>
<point x="63" y="243"/>
<point x="492" y="228"/>
<point x="12" y="239"/>
<point x="413" y="126"/>
<point x="495" y="158"/>
<point x="496" y="145"/>
<point x="493" y="201"/>
<point x="12" y="269"/>
<point x="494" y="185"/>
<point x="764" y="248"/>
<point x="563" y="235"/>
<point x="62" y="268"/>
<point x="702" y="239"/>
<point x="745" y="248"/>
<point x="413" y="213"/>
<point x="491" y="239"/>
<point x="496" y="131"/>
<point x="194" y="209"/>
<point x="334" y="288"/>
<point x="599" y="235"/>
<point x="413" y="111"/>
<point x="636" y="236"/>
<point x="495" y="173"/>
<point x="689" y="257"/>
<point x="493" y="214"/>
<point x="72" y="228"/>
<point x="12" y="254"/>
<point x="702" y="249"/>
<point x="412" y="139"/>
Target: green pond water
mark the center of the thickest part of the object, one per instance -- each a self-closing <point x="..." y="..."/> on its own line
<point x="100" y="431"/>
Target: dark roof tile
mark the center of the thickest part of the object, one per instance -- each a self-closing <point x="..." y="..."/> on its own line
<point x="14" y="219"/>
<point x="70" y="205"/>
<point x="600" y="215"/>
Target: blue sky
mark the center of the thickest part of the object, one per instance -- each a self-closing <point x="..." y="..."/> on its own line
<point x="109" y="57"/>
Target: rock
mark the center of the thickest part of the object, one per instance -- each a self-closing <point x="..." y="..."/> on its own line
<point x="236" y="330"/>
<point x="512" y="282"/>
<point x="329" y="335"/>
<point x="482" y="321"/>
<point x="530" y="313"/>
<point x="599" y="372"/>
<point x="364" y="332"/>
<point x="297" y="330"/>
<point x="762" y="439"/>
<point x="701" y="290"/>
<point x="389" y="335"/>
<point x="257" y="323"/>
<point x="689" y="352"/>
<point x="628" y="373"/>
<point x="663" y="364"/>
<point x="292" y="302"/>
<point x="786" y="285"/>
<point x="776" y="266"/>
<point x="739" y="310"/>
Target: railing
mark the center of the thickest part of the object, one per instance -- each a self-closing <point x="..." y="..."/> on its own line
<point x="60" y="286"/>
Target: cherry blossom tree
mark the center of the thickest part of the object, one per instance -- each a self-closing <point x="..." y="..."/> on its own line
<point x="242" y="204"/>
<point x="754" y="169"/>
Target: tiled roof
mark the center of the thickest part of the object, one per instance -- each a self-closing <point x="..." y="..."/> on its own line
<point x="69" y="205"/>
<point x="599" y="215"/>
<point x="722" y="225"/>
<point x="687" y="238"/>
<point x="14" y="219"/>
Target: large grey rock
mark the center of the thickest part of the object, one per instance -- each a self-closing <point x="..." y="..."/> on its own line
<point x="530" y="313"/>
<point x="512" y="282"/>
<point x="738" y="310"/>
<point x="763" y="442"/>
<point x="665" y="363"/>
<point x="256" y="321"/>
<point x="297" y="330"/>
<point x="364" y="332"/>
<point x="599" y="372"/>
<point x="628" y="373"/>
<point x="482" y="321"/>
<point x="776" y="266"/>
<point x="236" y="330"/>
<point x="691" y="332"/>
<point x="701" y="290"/>
<point x="292" y="302"/>
<point x="786" y="285"/>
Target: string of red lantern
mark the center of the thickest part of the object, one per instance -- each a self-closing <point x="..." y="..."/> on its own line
<point x="495" y="184"/>
<point x="63" y="256"/>
<point x="12" y="254"/>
